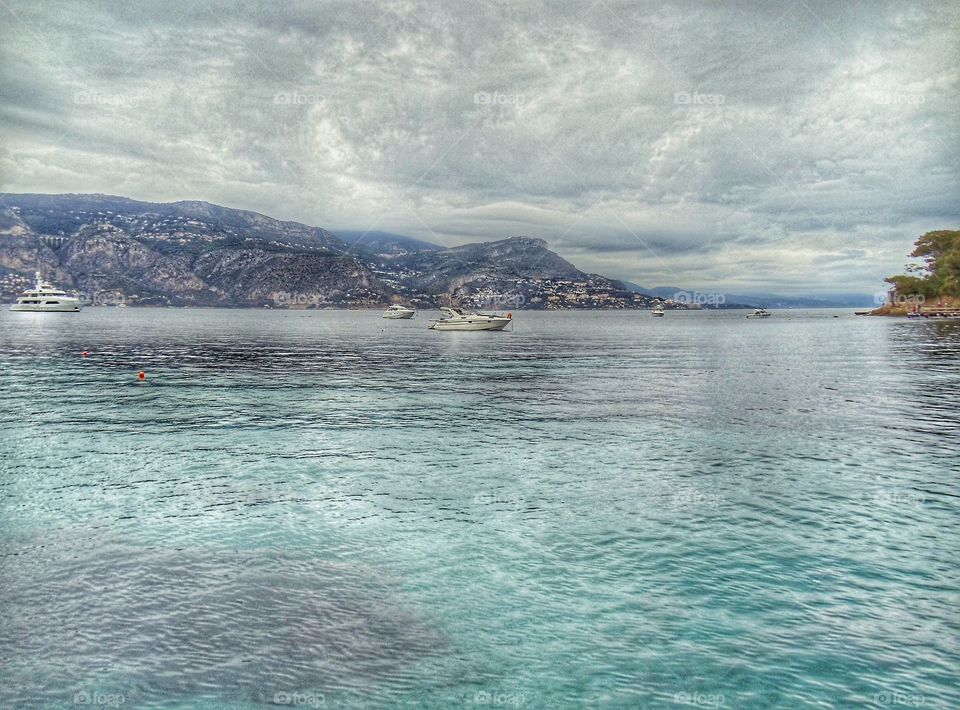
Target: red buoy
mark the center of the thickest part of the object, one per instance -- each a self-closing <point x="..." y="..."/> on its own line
<point x="141" y="375"/>
<point x="85" y="353"/>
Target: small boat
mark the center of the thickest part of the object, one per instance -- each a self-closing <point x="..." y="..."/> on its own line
<point x="760" y="313"/>
<point x="45" y="297"/>
<point x="458" y="319"/>
<point x="397" y="312"/>
<point x="657" y="310"/>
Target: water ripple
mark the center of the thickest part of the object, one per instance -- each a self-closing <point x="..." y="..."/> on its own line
<point x="595" y="509"/>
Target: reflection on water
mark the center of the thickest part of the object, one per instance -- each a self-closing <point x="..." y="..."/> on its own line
<point x="597" y="508"/>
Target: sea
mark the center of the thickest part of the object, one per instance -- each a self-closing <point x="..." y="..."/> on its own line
<point x="327" y="509"/>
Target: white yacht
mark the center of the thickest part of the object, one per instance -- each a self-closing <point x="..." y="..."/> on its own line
<point x="458" y="319"/>
<point x="396" y="311"/>
<point x="45" y="297"/>
<point x="760" y="313"/>
<point x="657" y="310"/>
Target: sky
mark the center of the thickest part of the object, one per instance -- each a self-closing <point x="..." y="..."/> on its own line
<point x="795" y="147"/>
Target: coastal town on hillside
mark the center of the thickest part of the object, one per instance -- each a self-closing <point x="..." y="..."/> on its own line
<point x="484" y="292"/>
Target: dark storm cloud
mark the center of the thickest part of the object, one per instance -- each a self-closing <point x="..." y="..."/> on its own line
<point x="672" y="143"/>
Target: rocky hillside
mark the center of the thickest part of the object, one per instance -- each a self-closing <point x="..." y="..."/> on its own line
<point x="499" y="263"/>
<point x="195" y="253"/>
<point x="386" y="243"/>
<point x="520" y="271"/>
<point x="182" y="253"/>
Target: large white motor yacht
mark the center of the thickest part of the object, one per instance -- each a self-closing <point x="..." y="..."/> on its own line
<point x="396" y="311"/>
<point x="657" y="310"/>
<point x="45" y="297"/>
<point x="458" y="319"/>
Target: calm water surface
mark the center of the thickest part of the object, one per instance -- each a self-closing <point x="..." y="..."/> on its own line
<point x="598" y="509"/>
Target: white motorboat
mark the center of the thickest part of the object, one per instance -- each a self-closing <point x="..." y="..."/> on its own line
<point x="657" y="310"/>
<point x="760" y="313"/>
<point x="45" y="297"/>
<point x="458" y="319"/>
<point x="397" y="311"/>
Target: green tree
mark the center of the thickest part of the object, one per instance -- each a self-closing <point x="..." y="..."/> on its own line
<point x="940" y="274"/>
<point x="914" y="286"/>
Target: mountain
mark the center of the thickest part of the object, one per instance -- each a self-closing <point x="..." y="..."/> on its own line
<point x="496" y="263"/>
<point x="710" y="299"/>
<point x="695" y="299"/>
<point x="180" y="253"/>
<point x="516" y="272"/>
<point x="63" y="215"/>
<point x="196" y="253"/>
<point x="840" y="300"/>
<point x="386" y="243"/>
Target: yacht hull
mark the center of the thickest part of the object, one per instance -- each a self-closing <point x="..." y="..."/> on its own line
<point x="46" y="308"/>
<point x="398" y="316"/>
<point x="492" y="324"/>
<point x="458" y="319"/>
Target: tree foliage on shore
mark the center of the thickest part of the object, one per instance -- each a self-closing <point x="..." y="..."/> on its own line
<point x="939" y="275"/>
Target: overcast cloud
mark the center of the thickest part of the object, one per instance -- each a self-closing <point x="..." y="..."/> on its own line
<point x="796" y="147"/>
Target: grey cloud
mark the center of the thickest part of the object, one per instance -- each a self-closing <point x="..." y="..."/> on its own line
<point x="680" y="141"/>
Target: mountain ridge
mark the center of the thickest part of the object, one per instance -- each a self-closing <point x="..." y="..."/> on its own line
<point x="386" y="243"/>
<point x="719" y="299"/>
<point x="196" y="253"/>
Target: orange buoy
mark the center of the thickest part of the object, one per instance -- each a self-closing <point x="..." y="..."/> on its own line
<point x="85" y="353"/>
<point x="141" y="375"/>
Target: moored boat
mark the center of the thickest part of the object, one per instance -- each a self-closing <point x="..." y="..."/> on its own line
<point x="458" y="319"/>
<point x="45" y="297"/>
<point x="397" y="312"/>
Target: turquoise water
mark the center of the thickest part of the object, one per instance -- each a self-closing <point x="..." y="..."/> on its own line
<point x="326" y="509"/>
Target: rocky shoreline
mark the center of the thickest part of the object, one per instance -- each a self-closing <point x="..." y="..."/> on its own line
<point x="931" y="308"/>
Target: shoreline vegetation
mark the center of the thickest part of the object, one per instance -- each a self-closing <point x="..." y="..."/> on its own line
<point x="930" y="287"/>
